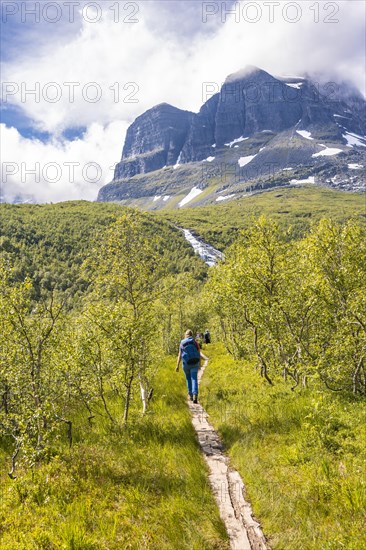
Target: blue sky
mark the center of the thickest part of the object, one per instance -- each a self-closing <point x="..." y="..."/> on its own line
<point x="22" y="34"/>
<point x="94" y="78"/>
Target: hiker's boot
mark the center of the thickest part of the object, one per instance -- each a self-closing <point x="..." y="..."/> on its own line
<point x="190" y="397"/>
<point x="195" y="399"/>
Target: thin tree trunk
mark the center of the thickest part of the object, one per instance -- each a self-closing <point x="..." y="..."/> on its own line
<point x="101" y="393"/>
<point x="84" y="400"/>
<point x="69" y="428"/>
<point x="264" y="369"/>
<point x="355" y="381"/>
<point x="222" y="324"/>
<point x="128" y="399"/>
<point x="5" y="399"/>
<point x="167" y="342"/>
<point x="143" y="397"/>
<point x="13" y="460"/>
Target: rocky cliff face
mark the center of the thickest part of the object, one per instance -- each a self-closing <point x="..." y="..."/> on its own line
<point x="154" y="140"/>
<point x="252" y="101"/>
<point x="201" y="136"/>
<point x="246" y="136"/>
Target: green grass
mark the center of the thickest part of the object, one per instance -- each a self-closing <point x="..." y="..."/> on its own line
<point x="219" y="224"/>
<point x="141" y="488"/>
<point x="301" y="455"/>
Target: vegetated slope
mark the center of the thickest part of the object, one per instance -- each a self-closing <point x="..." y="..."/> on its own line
<point x="291" y="405"/>
<point x="219" y="225"/>
<point x="300" y="454"/>
<point x="122" y="486"/>
<point x="50" y="242"/>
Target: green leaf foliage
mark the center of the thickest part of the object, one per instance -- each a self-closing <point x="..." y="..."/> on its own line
<point x="298" y="307"/>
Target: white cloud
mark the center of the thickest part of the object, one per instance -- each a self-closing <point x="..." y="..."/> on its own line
<point x="62" y="170"/>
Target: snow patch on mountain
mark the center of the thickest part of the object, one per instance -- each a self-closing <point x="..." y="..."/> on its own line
<point x="354" y="139"/>
<point x="355" y="166"/>
<point x="178" y="161"/>
<point x="296" y="85"/>
<point x="209" y="159"/>
<point x="327" y="152"/>
<point x="305" y="134"/>
<point x="194" y="192"/>
<point x="310" y="179"/>
<point x="237" y="140"/>
<point x="224" y="198"/>
<point x="245" y="160"/>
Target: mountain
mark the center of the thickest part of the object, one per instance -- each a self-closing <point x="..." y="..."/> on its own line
<point x="258" y="132"/>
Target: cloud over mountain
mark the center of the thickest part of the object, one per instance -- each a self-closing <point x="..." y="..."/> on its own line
<point x="113" y="70"/>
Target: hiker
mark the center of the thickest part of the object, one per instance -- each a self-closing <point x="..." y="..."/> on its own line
<point x="190" y="355"/>
<point x="207" y="337"/>
<point x="199" y="340"/>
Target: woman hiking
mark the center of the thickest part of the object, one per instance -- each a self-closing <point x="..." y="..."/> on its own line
<point x="190" y="355"/>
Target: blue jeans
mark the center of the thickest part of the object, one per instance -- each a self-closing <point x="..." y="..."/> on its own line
<point x="191" y="372"/>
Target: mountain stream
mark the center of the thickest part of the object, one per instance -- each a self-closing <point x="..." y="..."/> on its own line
<point x="207" y="252"/>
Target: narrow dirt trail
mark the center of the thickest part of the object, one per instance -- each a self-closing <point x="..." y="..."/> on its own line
<point x="244" y="532"/>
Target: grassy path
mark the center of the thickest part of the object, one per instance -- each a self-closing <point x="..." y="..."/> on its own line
<point x="301" y="456"/>
<point x="244" y="532"/>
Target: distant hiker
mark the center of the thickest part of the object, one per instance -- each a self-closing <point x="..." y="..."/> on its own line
<point x="199" y="339"/>
<point x="207" y="337"/>
<point x="190" y="355"/>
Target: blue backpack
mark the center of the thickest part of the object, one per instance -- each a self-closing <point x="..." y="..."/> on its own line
<point x="190" y="351"/>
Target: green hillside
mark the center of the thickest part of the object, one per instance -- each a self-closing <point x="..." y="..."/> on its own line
<point x="145" y="487"/>
<point x="299" y="208"/>
<point x="50" y="242"/>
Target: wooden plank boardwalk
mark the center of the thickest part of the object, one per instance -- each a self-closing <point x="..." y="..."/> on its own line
<point x="228" y="487"/>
